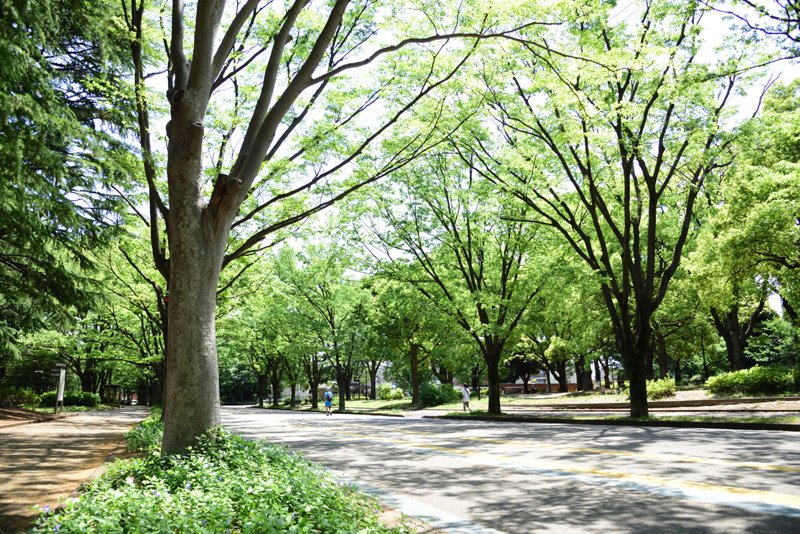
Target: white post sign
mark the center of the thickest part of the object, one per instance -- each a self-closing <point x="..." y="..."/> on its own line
<point x="61" y="372"/>
<point x="62" y="380"/>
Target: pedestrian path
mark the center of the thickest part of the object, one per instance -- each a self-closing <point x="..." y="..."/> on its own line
<point x="43" y="463"/>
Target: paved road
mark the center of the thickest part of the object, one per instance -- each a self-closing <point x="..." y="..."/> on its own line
<point x="479" y="477"/>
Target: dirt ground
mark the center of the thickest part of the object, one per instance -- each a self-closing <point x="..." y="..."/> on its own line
<point x="43" y="463"/>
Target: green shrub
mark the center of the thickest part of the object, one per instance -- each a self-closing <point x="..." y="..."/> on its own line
<point x="754" y="381"/>
<point x="71" y="398"/>
<point x="225" y="484"/>
<point x="47" y="399"/>
<point x="81" y="398"/>
<point x="656" y="389"/>
<point x="146" y="436"/>
<point x="436" y="395"/>
<point x="388" y="392"/>
<point x="17" y="397"/>
<point x="661" y="389"/>
<point x="696" y="380"/>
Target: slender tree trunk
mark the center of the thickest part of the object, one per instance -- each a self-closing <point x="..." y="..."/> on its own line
<point x="261" y="385"/>
<point x="663" y="360"/>
<point x="373" y="382"/>
<point x="606" y="372"/>
<point x="442" y="374"/>
<point x="276" y="390"/>
<point x="560" y="372"/>
<point x="734" y="334"/>
<point x="634" y="357"/>
<point x="312" y="374"/>
<point x="586" y="377"/>
<point x="475" y="381"/>
<point x="413" y="358"/>
<point x="293" y="387"/>
<point x="597" y="374"/>
<point x="648" y="365"/>
<point x="494" y="352"/>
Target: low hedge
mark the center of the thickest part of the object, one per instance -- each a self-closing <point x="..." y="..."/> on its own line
<point x="754" y="381"/>
<point x="71" y="398"/>
<point x="17" y="397"/>
<point x="656" y="389"/>
<point x="225" y="484"/>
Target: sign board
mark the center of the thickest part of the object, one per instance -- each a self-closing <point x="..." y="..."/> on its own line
<point x="62" y="375"/>
<point x="59" y="371"/>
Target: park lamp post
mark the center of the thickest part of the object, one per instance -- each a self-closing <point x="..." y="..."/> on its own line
<point x="60" y="371"/>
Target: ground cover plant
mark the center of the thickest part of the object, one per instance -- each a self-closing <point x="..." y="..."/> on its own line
<point x="224" y="484"/>
<point x="147" y="435"/>
<point x="755" y="381"/>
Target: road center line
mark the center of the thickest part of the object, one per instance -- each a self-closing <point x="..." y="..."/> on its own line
<point x="613" y="452"/>
<point x="752" y="500"/>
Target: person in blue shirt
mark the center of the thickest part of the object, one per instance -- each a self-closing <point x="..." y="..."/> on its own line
<point x="328" y="396"/>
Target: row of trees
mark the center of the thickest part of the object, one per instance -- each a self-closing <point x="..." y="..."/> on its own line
<point x="547" y="181"/>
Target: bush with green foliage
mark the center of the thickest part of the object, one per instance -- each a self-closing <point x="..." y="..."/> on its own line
<point x="661" y="389"/>
<point x="71" y="398"/>
<point x="388" y="392"/>
<point x="436" y="395"/>
<point x="754" y="381"/>
<point x="224" y="484"/>
<point x="146" y="436"/>
<point x="696" y="380"/>
<point x="17" y="396"/>
<point x="656" y="389"/>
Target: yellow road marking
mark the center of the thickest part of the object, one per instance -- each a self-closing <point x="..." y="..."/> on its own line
<point x="759" y="496"/>
<point x="611" y="452"/>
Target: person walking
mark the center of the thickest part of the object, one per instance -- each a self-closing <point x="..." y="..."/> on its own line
<point x="465" y="398"/>
<point x="328" y="396"/>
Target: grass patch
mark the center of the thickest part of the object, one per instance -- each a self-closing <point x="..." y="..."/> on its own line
<point x="224" y="484"/>
<point x="382" y="405"/>
<point x="777" y="419"/>
<point x="70" y="409"/>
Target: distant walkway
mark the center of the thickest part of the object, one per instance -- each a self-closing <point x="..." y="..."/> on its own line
<point x="41" y="463"/>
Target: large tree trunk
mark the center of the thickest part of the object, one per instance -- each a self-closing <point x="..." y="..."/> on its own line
<point x="413" y="358"/>
<point x="193" y="406"/>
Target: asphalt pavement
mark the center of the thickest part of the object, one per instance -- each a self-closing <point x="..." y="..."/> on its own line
<point x="488" y="477"/>
<point x="466" y="475"/>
